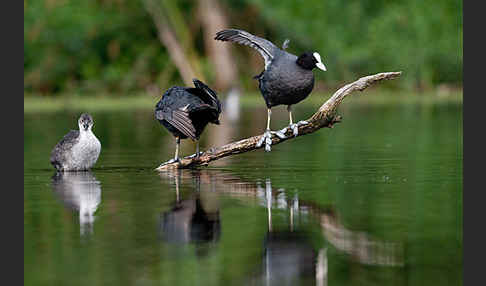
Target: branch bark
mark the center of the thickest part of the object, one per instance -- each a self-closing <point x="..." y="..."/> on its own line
<point x="324" y="117"/>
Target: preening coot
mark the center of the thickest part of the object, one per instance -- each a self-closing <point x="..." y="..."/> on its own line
<point x="286" y="79"/>
<point x="185" y="112"/>
<point x="79" y="149"/>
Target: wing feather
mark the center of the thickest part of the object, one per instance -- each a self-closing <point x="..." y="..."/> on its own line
<point x="180" y="120"/>
<point x="266" y="48"/>
<point x="211" y="94"/>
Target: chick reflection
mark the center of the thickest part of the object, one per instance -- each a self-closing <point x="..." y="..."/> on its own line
<point x="79" y="191"/>
<point x="194" y="219"/>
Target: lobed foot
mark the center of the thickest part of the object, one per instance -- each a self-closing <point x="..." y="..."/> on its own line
<point x="267" y="138"/>
<point x="294" y="127"/>
<point x="196" y="155"/>
<point x="173" y="160"/>
<point x="280" y="133"/>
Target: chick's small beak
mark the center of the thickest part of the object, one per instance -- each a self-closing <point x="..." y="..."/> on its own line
<point x="85" y="125"/>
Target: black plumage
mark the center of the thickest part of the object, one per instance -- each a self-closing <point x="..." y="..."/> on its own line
<point x="185" y="111"/>
<point x="286" y="79"/>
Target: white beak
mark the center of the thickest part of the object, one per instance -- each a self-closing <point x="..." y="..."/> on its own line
<point x="319" y="63"/>
<point x="321" y="66"/>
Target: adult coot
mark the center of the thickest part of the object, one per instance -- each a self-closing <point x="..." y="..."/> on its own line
<point x="286" y="79"/>
<point x="185" y="112"/>
<point x="79" y="149"/>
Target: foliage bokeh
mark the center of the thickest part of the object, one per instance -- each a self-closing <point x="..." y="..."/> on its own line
<point x="109" y="46"/>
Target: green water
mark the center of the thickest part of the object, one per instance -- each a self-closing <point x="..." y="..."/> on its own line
<point x="375" y="201"/>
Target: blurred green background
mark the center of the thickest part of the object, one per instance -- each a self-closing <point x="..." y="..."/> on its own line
<point x="123" y="48"/>
<point x="391" y="170"/>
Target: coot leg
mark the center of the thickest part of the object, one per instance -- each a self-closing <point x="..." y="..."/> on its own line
<point x="289" y="109"/>
<point x="197" y="154"/>
<point x="293" y="126"/>
<point x="176" y="157"/>
<point x="267" y="136"/>
<point x="178" y="141"/>
<point x="269" y="116"/>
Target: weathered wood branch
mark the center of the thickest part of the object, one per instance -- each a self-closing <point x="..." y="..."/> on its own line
<point x="324" y="117"/>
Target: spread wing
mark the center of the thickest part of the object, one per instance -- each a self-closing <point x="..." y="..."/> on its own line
<point x="266" y="48"/>
<point x="179" y="118"/>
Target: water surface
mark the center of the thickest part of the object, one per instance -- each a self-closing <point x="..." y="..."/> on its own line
<point x="377" y="200"/>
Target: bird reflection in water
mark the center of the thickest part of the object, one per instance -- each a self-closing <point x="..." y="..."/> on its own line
<point x="79" y="191"/>
<point x="289" y="257"/>
<point x="194" y="219"/>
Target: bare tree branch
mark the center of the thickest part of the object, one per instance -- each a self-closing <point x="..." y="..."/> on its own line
<point x="169" y="40"/>
<point x="324" y="117"/>
<point x="213" y="19"/>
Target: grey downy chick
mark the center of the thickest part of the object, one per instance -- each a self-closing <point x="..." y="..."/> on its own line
<point x="79" y="149"/>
